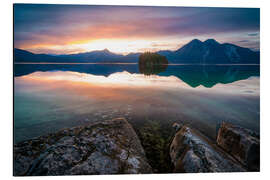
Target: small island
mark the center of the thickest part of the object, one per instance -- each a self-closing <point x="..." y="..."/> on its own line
<point x="150" y="59"/>
<point x="152" y="63"/>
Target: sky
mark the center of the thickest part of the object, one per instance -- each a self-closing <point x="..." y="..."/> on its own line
<point x="69" y="29"/>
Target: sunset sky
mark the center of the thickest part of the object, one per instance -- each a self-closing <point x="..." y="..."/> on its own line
<point x="66" y="29"/>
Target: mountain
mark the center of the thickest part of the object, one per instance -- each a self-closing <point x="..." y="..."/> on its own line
<point x="94" y="56"/>
<point x="194" y="52"/>
<point x="102" y="56"/>
<point x="26" y="56"/>
<point x="212" y="52"/>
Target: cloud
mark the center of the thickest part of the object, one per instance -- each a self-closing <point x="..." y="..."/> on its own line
<point x="45" y="26"/>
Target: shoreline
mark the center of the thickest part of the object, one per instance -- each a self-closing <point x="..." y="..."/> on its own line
<point x="80" y="150"/>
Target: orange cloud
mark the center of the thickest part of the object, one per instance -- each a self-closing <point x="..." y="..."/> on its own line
<point x="63" y="28"/>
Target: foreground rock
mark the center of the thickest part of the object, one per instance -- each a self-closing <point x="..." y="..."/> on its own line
<point x="110" y="147"/>
<point x="241" y="143"/>
<point x="191" y="152"/>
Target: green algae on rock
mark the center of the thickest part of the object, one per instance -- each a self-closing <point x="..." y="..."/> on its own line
<point x="155" y="139"/>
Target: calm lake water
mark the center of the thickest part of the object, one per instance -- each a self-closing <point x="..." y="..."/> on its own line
<point x="49" y="97"/>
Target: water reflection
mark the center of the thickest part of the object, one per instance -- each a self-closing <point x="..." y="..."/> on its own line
<point x="47" y="101"/>
<point x="126" y="80"/>
<point x="194" y="75"/>
<point x="95" y="69"/>
<point x="152" y="69"/>
<point x="210" y="75"/>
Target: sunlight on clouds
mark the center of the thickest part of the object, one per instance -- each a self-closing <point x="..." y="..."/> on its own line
<point x="61" y="29"/>
<point x="121" y="46"/>
<point x="118" y="46"/>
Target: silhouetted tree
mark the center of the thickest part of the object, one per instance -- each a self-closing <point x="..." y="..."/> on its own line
<point x="152" y="63"/>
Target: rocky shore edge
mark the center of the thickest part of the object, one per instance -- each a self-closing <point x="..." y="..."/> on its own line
<point x="236" y="150"/>
<point x="113" y="147"/>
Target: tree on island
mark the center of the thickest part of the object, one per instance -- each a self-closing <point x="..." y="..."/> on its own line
<point x="152" y="63"/>
<point x="150" y="59"/>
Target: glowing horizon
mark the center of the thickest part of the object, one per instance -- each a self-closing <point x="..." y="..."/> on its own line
<point x="68" y="29"/>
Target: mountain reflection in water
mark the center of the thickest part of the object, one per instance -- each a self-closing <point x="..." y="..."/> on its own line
<point x="51" y="97"/>
<point x="194" y="75"/>
<point x="153" y="69"/>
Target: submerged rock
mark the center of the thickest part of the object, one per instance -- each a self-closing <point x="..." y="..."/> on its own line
<point x="191" y="152"/>
<point x="109" y="147"/>
<point x="241" y="143"/>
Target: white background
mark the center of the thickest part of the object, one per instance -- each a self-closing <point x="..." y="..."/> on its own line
<point x="6" y="85"/>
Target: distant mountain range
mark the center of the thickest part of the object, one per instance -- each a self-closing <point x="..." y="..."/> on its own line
<point x="194" y="52"/>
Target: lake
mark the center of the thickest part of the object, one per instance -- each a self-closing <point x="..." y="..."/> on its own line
<point x="49" y="97"/>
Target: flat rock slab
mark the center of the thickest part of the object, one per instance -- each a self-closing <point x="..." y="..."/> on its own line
<point x="191" y="152"/>
<point x="241" y="143"/>
<point x="109" y="147"/>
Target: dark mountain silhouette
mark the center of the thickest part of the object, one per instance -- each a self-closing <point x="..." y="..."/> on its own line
<point x="212" y="52"/>
<point x="87" y="57"/>
<point x="195" y="52"/>
<point x="93" y="56"/>
<point x="26" y="56"/>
